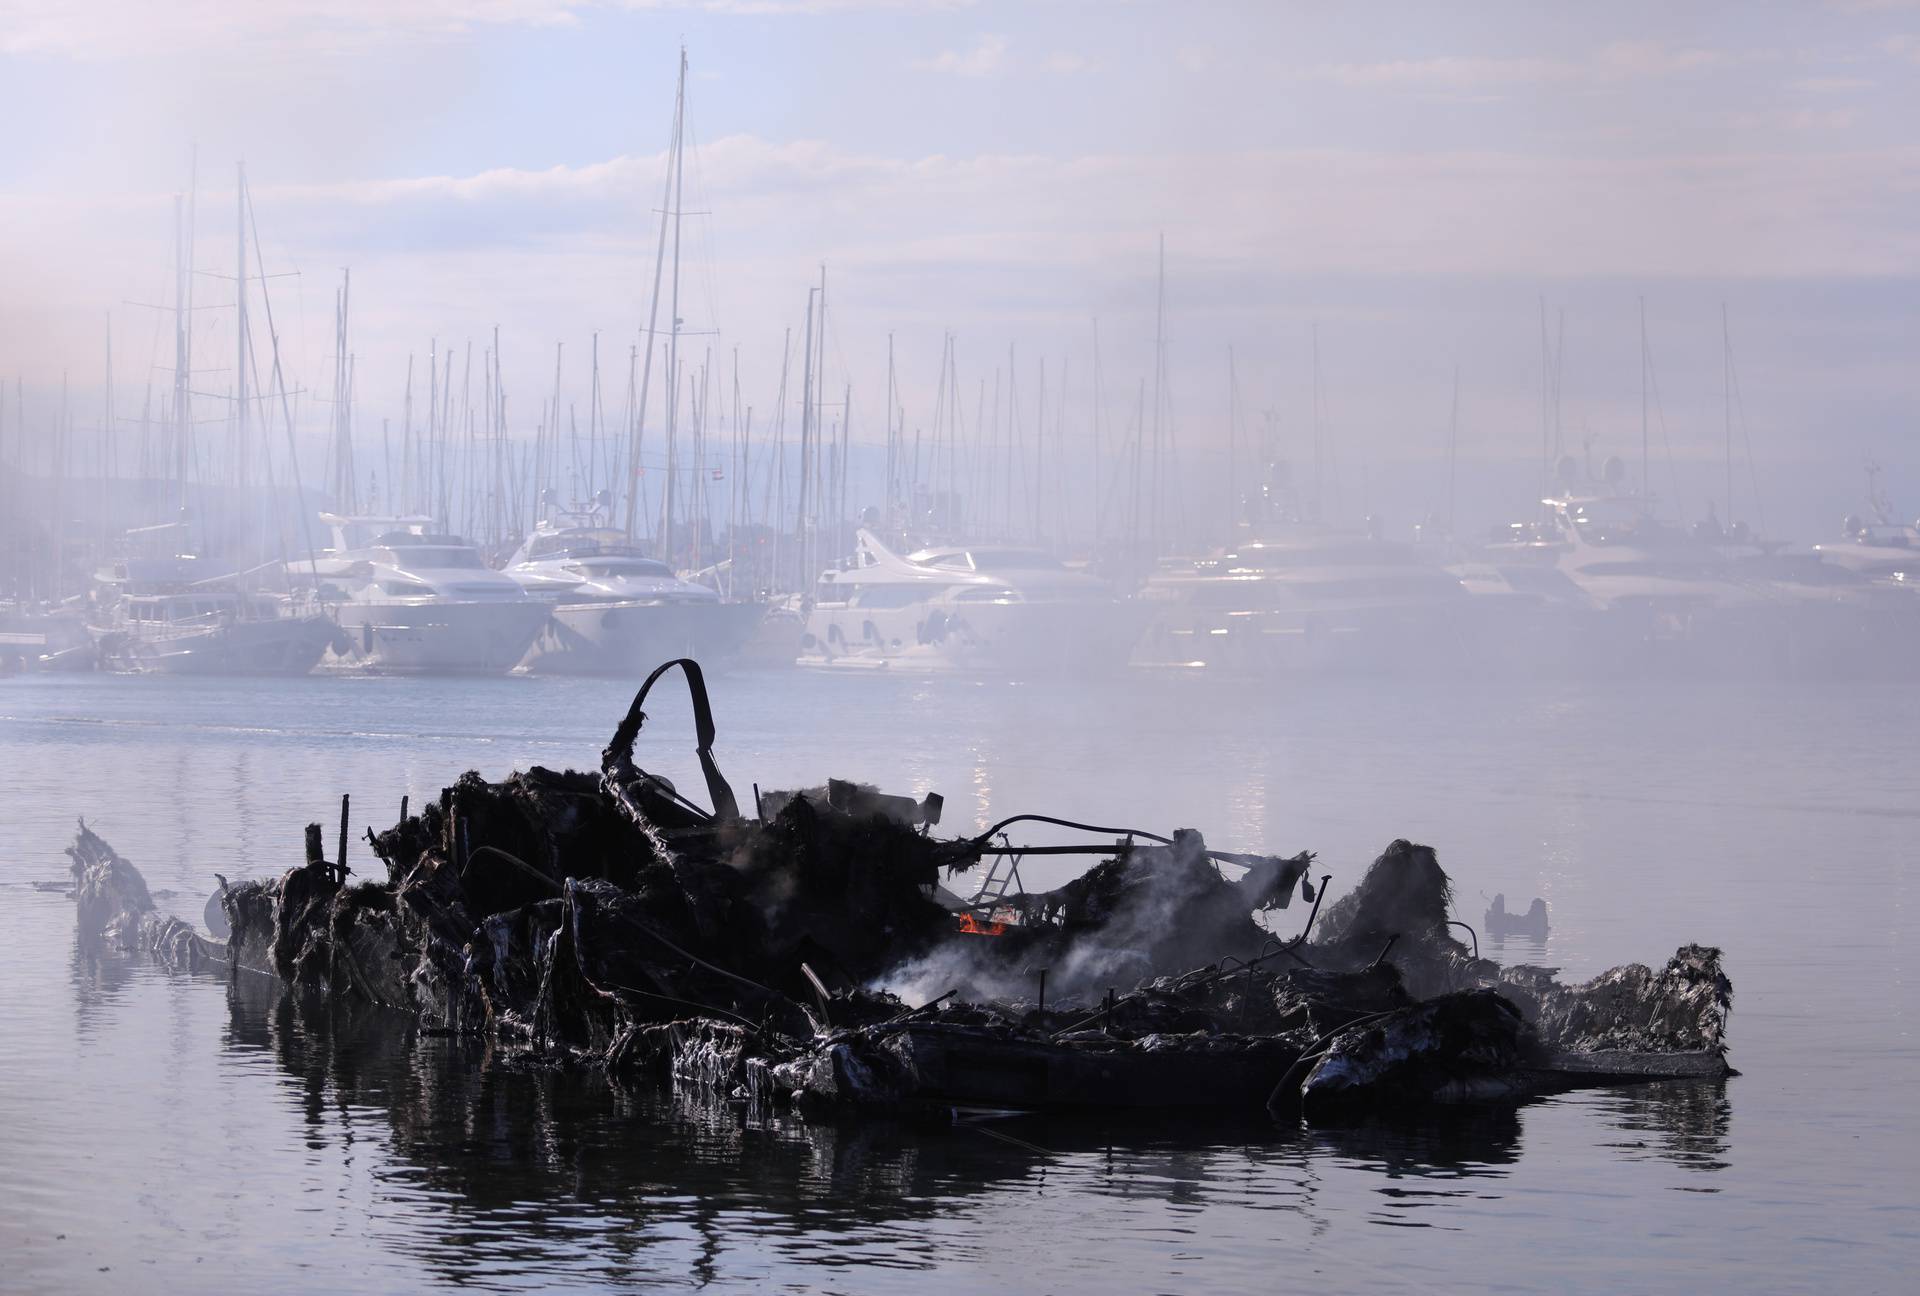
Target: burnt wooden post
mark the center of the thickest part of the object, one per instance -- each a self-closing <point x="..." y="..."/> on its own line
<point x="316" y="850"/>
<point x="340" y="862"/>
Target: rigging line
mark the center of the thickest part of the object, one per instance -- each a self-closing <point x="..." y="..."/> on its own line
<point x="704" y="227"/>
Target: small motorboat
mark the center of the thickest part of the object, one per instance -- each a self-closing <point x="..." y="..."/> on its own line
<point x="1532" y="923"/>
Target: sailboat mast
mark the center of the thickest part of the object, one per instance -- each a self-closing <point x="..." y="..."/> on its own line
<point x="673" y="309"/>
<point x="178" y="466"/>
<point x="819" y="411"/>
<point x="1453" y="444"/>
<point x="240" y="318"/>
<point x="1318" y="455"/>
<point x="1646" y="477"/>
<point x="1726" y="356"/>
<point x="1159" y="377"/>
<point x="1233" y="430"/>
<point x="653" y="307"/>
<point x="806" y="445"/>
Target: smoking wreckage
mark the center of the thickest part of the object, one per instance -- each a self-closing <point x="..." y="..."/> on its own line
<point x="810" y="955"/>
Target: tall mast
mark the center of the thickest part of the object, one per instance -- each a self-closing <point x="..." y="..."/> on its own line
<point x="806" y="444"/>
<point x="820" y="402"/>
<point x="846" y="445"/>
<point x="1233" y="428"/>
<point x="653" y="308"/>
<point x="177" y="469"/>
<point x="1726" y="355"/>
<point x="1099" y="515"/>
<point x="110" y="463"/>
<point x="1646" y="478"/>
<point x="184" y="375"/>
<point x="893" y="442"/>
<point x="779" y="479"/>
<point x="593" y="419"/>
<point x="240" y="317"/>
<point x="1040" y="455"/>
<point x="1159" y="377"/>
<point x="1453" y="442"/>
<point x="1318" y="455"/>
<point x="1546" y="403"/>
<point x="673" y="317"/>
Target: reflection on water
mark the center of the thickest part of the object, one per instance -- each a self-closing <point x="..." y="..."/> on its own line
<point x="496" y="1172"/>
<point x="1686" y="1123"/>
<point x="178" y="1132"/>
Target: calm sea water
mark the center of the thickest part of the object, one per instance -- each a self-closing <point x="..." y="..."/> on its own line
<point x="168" y="1132"/>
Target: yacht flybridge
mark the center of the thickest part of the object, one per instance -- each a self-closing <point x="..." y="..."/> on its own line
<point x="615" y="611"/>
<point x="415" y="602"/>
<point x="986" y="607"/>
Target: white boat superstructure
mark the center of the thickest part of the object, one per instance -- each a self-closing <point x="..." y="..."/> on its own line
<point x="1881" y="551"/>
<point x="616" y="611"/>
<point x="415" y="602"/>
<point x="993" y="608"/>
<point x="1627" y="560"/>
<point x="1306" y="598"/>
<point x="1717" y="600"/>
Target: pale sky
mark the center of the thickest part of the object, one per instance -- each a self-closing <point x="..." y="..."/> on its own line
<point x="1415" y="178"/>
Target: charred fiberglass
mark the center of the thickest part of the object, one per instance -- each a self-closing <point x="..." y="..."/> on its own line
<point x="810" y="955"/>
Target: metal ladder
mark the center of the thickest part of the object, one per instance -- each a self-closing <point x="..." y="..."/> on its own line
<point x="999" y="881"/>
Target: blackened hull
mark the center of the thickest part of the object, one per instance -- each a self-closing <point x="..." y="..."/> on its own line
<point x="956" y="1067"/>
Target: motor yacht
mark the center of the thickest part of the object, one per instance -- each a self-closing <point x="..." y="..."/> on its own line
<point x="1302" y="597"/>
<point x="410" y="601"/>
<point x="990" y="608"/>
<point x="615" y="611"/>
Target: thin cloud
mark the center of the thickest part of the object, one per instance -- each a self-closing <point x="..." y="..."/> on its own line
<point x="88" y="29"/>
<point x="986" y="57"/>
<point x="1831" y="85"/>
<point x="1618" y="61"/>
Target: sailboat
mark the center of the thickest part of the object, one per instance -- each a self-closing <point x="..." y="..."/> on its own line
<point x="165" y="613"/>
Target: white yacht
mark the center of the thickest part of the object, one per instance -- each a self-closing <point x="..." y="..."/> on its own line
<point x="1717" y="600"/>
<point x="167" y="616"/>
<point x="413" y="602"/>
<point x="992" y="608"/>
<point x="1882" y="551"/>
<point x="1879" y="547"/>
<point x="615" y="611"/>
<point x="1307" y="598"/>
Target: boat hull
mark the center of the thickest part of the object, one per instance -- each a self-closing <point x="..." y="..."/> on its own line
<point x="625" y="639"/>
<point x="1354" y="639"/>
<point x="1064" y="638"/>
<point x="438" y="638"/>
<point x="282" y="646"/>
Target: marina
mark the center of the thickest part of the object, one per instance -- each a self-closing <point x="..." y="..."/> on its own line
<point x="832" y="646"/>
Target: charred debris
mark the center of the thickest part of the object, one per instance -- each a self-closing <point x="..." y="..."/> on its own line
<point x="810" y="954"/>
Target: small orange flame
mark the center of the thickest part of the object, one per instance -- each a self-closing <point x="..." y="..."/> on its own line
<point x="973" y="927"/>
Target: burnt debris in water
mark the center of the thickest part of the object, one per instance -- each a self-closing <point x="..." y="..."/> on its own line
<point x="809" y="953"/>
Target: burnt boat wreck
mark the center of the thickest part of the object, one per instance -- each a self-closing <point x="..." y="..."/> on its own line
<point x="810" y="954"/>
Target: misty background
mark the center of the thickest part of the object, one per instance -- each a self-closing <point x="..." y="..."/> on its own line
<point x="1425" y="190"/>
